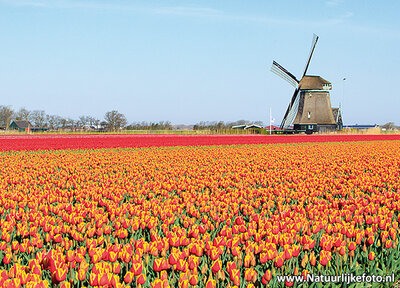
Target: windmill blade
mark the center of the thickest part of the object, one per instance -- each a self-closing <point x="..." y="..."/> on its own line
<point x="313" y="43"/>
<point x="286" y="75"/>
<point x="291" y="110"/>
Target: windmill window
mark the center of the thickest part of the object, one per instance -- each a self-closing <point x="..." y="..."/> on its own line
<point x="309" y="115"/>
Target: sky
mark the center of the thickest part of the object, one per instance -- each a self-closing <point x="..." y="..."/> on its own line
<point x="190" y="61"/>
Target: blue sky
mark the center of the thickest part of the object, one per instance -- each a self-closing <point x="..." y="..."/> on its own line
<point x="188" y="61"/>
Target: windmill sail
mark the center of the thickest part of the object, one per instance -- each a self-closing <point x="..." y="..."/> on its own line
<point x="291" y="111"/>
<point x="283" y="73"/>
<point x="313" y="43"/>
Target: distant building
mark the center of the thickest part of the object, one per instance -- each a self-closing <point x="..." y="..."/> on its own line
<point x="182" y="127"/>
<point x="20" y="125"/>
<point x="357" y="126"/>
<point x="247" y="126"/>
<point x="272" y="127"/>
<point x="25" y="126"/>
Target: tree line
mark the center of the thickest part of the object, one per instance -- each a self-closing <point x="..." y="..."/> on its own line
<point x="113" y="121"/>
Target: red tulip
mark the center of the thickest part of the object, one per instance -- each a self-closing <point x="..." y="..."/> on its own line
<point x="70" y="255"/>
<point x="193" y="280"/>
<point x="352" y="246"/>
<point x="81" y="274"/>
<point x="266" y="277"/>
<point x="7" y="258"/>
<point x="216" y="266"/>
<point x="61" y="273"/>
<point x="157" y="284"/>
<point x="211" y="283"/>
<point x="141" y="279"/>
<point x="128" y="277"/>
<point x="371" y="256"/>
<point x="279" y="260"/>
<point x="137" y="268"/>
<point x="235" y="277"/>
<point x="173" y="258"/>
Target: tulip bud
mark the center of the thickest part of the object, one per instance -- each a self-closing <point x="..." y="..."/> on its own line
<point x="204" y="269"/>
<point x="304" y="261"/>
<point x="296" y="271"/>
<point x="253" y="260"/>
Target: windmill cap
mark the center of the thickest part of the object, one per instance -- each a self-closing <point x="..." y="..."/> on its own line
<point x="314" y="83"/>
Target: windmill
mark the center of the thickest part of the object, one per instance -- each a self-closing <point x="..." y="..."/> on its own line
<point x="310" y="106"/>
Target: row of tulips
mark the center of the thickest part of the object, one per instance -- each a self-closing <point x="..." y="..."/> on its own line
<point x="225" y="216"/>
<point x="52" y="142"/>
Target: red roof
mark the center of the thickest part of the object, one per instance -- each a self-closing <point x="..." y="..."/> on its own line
<point x="273" y="127"/>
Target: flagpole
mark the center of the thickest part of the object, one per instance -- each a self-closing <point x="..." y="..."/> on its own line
<point x="270" y="120"/>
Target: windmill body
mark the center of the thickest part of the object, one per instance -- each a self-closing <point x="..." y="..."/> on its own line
<point x="310" y="107"/>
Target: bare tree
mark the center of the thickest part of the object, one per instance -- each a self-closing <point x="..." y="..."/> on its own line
<point x="115" y="120"/>
<point x="54" y="121"/>
<point x="71" y="123"/>
<point x="93" y="121"/>
<point x="389" y="126"/>
<point x="63" y="122"/>
<point x="83" y="121"/>
<point x="6" y="114"/>
<point x="23" y="114"/>
<point x="38" y="118"/>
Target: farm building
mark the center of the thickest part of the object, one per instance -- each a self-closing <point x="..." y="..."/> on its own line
<point x="25" y="126"/>
<point x="272" y="128"/>
<point x="247" y="126"/>
<point x="20" y="125"/>
<point x="358" y="126"/>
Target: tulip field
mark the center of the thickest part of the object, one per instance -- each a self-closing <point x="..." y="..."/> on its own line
<point x="96" y="213"/>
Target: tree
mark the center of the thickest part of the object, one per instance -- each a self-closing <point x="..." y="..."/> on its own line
<point x="71" y="123"/>
<point x="6" y="114"/>
<point x="62" y="122"/>
<point x="83" y="121"/>
<point x="38" y="118"/>
<point x="92" y="121"/>
<point x="54" y="121"/>
<point x="389" y="126"/>
<point x="23" y="114"/>
<point x="115" y="120"/>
